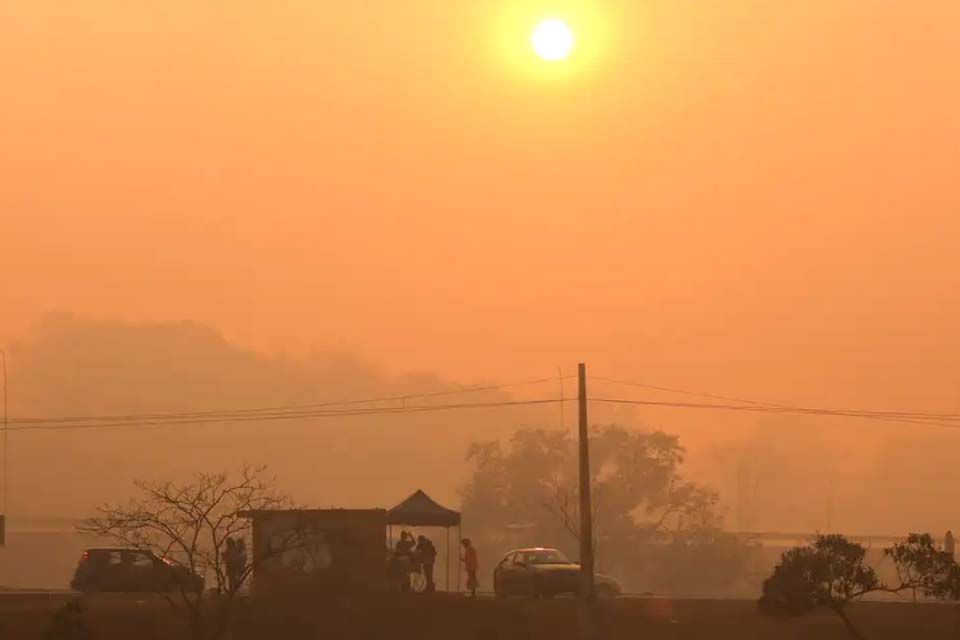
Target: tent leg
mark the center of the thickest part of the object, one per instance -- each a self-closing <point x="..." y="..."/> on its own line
<point x="459" y="546"/>
<point x="447" y="580"/>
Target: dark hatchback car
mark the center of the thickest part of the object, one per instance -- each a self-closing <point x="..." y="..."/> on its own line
<point x="544" y="573"/>
<point x="132" y="570"/>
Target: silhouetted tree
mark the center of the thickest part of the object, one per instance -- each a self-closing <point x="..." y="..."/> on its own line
<point x="640" y="499"/>
<point x="191" y="522"/>
<point x="922" y="567"/>
<point x="534" y="479"/>
<point x="829" y="573"/>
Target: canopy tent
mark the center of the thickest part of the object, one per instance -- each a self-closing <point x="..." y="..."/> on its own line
<point x="420" y="510"/>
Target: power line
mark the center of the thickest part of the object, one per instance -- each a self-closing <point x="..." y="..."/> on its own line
<point x="685" y="392"/>
<point x="267" y="411"/>
<point x="339" y="409"/>
<point x="858" y="412"/>
<point x="370" y="411"/>
<point x="288" y="416"/>
<point x="783" y="410"/>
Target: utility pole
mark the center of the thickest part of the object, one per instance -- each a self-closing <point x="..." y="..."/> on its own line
<point x="586" y="513"/>
<point x="6" y="456"/>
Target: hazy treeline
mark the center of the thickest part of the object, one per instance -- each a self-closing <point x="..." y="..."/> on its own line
<point x="70" y="366"/>
<point x="771" y="472"/>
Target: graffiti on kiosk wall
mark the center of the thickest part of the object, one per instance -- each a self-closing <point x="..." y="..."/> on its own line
<point x="307" y="550"/>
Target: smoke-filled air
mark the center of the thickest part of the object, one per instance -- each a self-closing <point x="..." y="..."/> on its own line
<point x="559" y="319"/>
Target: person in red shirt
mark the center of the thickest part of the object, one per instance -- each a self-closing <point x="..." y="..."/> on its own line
<point x="471" y="564"/>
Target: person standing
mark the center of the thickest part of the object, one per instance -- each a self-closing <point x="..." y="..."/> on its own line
<point x="427" y="554"/>
<point x="405" y="544"/>
<point x="404" y="558"/>
<point x="241" y="561"/>
<point x="230" y="559"/>
<point x="949" y="544"/>
<point x="472" y="564"/>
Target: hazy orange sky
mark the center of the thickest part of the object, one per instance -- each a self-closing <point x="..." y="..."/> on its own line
<point x="750" y="195"/>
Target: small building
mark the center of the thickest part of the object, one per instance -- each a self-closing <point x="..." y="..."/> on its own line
<point x="340" y="550"/>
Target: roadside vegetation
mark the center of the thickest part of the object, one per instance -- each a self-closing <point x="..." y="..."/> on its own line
<point x="191" y="523"/>
<point x="831" y="573"/>
<point x="654" y="529"/>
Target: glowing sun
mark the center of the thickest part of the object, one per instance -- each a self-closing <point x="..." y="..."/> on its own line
<point x="552" y="40"/>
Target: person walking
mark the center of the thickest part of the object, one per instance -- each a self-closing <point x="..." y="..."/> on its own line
<point x="427" y="554"/>
<point x="472" y="564"/>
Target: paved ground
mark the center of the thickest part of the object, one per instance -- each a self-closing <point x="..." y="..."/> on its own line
<point x="25" y="616"/>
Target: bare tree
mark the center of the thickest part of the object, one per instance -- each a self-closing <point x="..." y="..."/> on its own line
<point x="563" y="503"/>
<point x="691" y="505"/>
<point x="190" y="523"/>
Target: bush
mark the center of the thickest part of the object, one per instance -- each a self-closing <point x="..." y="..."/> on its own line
<point x="69" y="623"/>
<point x="701" y="561"/>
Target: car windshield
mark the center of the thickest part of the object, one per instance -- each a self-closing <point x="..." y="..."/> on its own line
<point x="543" y="556"/>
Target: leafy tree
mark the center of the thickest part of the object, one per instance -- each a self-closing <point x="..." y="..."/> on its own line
<point x="829" y="573"/>
<point x="534" y="478"/>
<point x="191" y="522"/>
<point x="921" y="566"/>
<point x="639" y="497"/>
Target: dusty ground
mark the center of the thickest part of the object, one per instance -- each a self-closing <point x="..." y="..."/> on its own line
<point x="448" y="618"/>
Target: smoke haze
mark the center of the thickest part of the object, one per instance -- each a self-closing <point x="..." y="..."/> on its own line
<point x="743" y="197"/>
